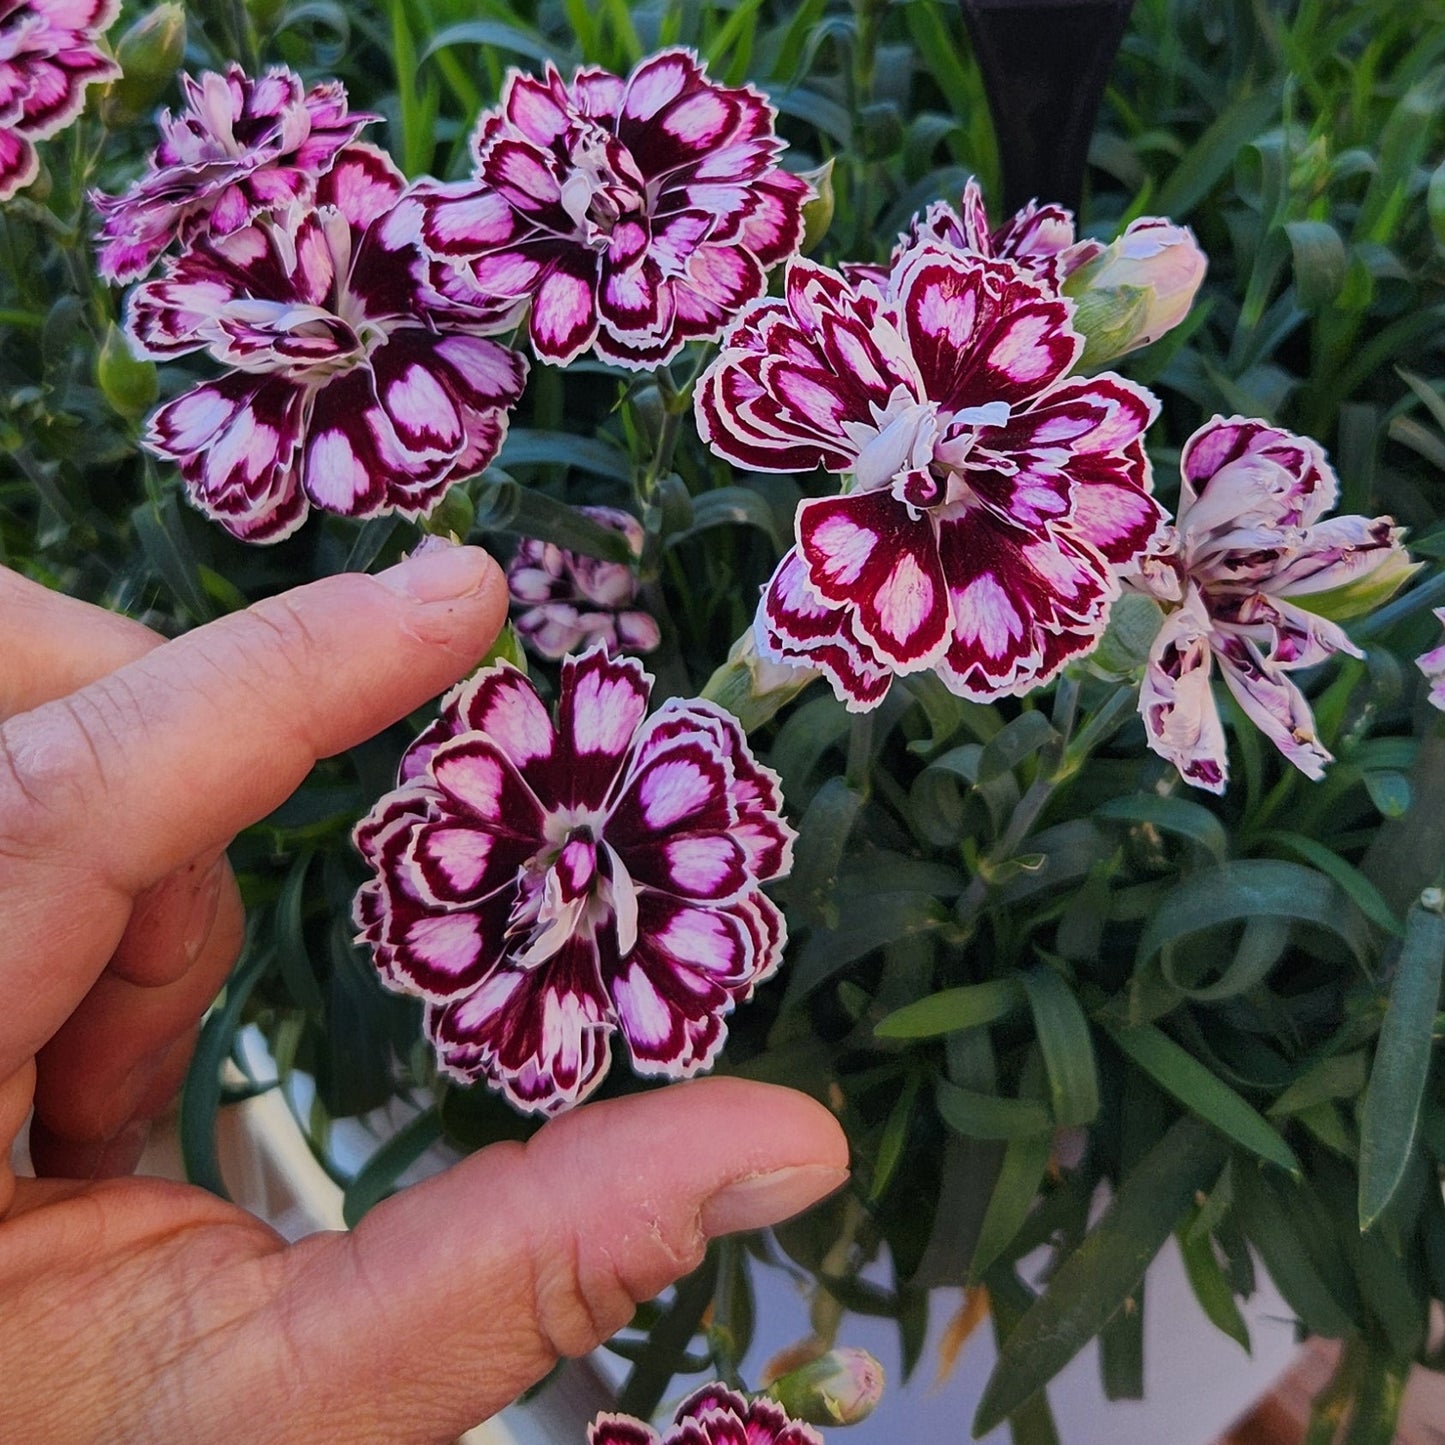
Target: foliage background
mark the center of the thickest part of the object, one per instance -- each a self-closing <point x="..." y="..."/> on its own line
<point x="1007" y="921"/>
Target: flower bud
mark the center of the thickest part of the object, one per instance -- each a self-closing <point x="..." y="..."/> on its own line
<point x="753" y="687"/>
<point x="839" y="1388"/>
<point x="818" y="212"/>
<point x="1136" y="289"/>
<point x="452" y="516"/>
<point x="127" y="382"/>
<point x="149" y="54"/>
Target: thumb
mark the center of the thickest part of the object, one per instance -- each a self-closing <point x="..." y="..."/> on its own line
<point x="453" y="1297"/>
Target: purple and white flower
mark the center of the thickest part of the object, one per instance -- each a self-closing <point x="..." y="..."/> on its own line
<point x="1250" y="538"/>
<point x="993" y="495"/>
<point x="633" y="214"/>
<point x="1432" y="664"/>
<point x="713" y="1415"/>
<point x="350" y="386"/>
<point x="544" y="885"/>
<point x="571" y="600"/>
<point x="240" y="149"/>
<point x="49" y="52"/>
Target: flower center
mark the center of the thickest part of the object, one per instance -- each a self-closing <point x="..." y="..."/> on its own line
<point x="565" y="890"/>
<point x="596" y="194"/>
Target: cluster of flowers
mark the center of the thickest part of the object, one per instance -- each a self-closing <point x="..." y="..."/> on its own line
<point x="354" y="313"/>
<point x="547" y="885"/>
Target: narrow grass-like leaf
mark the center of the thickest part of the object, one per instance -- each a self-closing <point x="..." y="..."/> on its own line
<point x="990" y="1116"/>
<point x="894" y="1137"/>
<point x="524" y="447"/>
<point x="1020" y="739"/>
<point x="1402" y="1062"/>
<point x="1025" y="1162"/>
<point x="1365" y="896"/>
<point x="1191" y="821"/>
<point x="1180" y="1074"/>
<point x="1096" y="1279"/>
<point x="496" y="35"/>
<point x="379" y="1174"/>
<point x="970" y="1007"/>
<point x="1211" y="1287"/>
<point x="1068" y="1047"/>
<point x="1209" y="160"/>
<point x="201" y="1093"/>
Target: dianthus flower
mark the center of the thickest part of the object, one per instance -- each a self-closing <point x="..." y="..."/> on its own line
<point x="1249" y="538"/>
<point x="543" y="886"/>
<point x="992" y="495"/>
<point x="634" y="214"/>
<point x="713" y="1415"/>
<point x="1432" y="664"/>
<point x="351" y="387"/>
<point x="49" y="53"/>
<point x="241" y="148"/>
<point x="571" y="600"/>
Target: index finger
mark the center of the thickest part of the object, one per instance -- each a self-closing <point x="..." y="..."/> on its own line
<point x="107" y="791"/>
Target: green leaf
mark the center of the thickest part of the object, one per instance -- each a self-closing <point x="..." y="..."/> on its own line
<point x="377" y="1177"/>
<point x="1390" y="792"/>
<point x="201" y="1093"/>
<point x="292" y="955"/>
<point x="1096" y="1279"/>
<point x="1191" y="821"/>
<point x="1391" y="1109"/>
<point x="1212" y="156"/>
<point x="1180" y="1074"/>
<point x="1121" y="1350"/>
<point x="524" y="448"/>
<point x="1020" y="739"/>
<point x="1341" y="1076"/>
<point x="496" y="35"/>
<point x="864" y="923"/>
<point x="990" y="1116"/>
<point x="894" y="1137"/>
<point x="1320" y="262"/>
<point x="1211" y="1287"/>
<point x="1251" y="888"/>
<point x="731" y="507"/>
<point x="1025" y="1162"/>
<point x="1068" y="1047"/>
<point x="970" y="1007"/>
<point x="1366" y="897"/>
<point x="507" y="506"/>
<point x="822" y="836"/>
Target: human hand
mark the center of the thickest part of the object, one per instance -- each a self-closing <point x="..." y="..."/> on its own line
<point x="140" y="1310"/>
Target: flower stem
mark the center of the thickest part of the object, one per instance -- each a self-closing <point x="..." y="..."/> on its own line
<point x="859" y="770"/>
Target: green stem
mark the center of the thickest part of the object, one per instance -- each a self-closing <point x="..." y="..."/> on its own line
<point x="859" y="769"/>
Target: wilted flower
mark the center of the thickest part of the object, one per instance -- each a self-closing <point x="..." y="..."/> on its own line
<point x="1248" y="539"/>
<point x="351" y="387"/>
<point x="545" y="886"/>
<point x="240" y="149"/>
<point x="573" y="600"/>
<point x="633" y="214"/>
<point x="713" y="1415"/>
<point x="49" y="53"/>
<point x="992" y="494"/>
<point x="1432" y="664"/>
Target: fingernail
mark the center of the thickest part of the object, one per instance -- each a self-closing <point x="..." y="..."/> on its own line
<point x="766" y="1199"/>
<point x="439" y="573"/>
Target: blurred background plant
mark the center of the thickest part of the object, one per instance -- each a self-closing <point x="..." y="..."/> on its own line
<point x="1024" y="965"/>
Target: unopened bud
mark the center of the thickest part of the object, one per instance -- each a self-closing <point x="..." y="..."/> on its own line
<point x="817" y="212"/>
<point x="452" y="516"/>
<point x="753" y="687"/>
<point x="839" y="1388"/>
<point x="126" y="381"/>
<point x="149" y="54"/>
<point x="1136" y="288"/>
